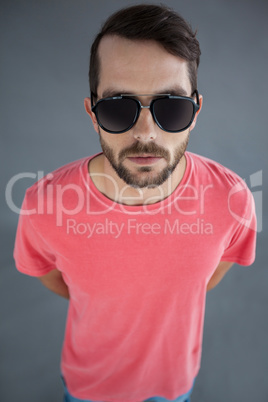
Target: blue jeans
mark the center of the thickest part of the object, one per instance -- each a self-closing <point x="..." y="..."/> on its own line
<point x="182" y="398"/>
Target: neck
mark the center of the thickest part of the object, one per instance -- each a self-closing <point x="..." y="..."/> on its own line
<point x="109" y="184"/>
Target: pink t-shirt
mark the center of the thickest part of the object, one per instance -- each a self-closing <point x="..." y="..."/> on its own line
<point x="137" y="275"/>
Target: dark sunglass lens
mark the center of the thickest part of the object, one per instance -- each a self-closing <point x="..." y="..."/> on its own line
<point x="173" y="114"/>
<point x="117" y="114"/>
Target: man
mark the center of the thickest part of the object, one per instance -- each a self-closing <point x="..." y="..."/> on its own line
<point x="136" y="235"/>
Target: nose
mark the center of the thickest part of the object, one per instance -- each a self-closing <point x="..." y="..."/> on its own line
<point x="145" y="128"/>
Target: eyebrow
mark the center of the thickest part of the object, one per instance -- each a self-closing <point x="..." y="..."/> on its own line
<point x="175" y="91"/>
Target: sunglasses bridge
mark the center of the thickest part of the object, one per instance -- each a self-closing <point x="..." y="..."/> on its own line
<point x="145" y="107"/>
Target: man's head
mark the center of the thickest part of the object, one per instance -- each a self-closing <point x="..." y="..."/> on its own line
<point x="146" y="51"/>
<point x="149" y="22"/>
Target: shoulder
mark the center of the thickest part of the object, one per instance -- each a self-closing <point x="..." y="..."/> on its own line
<point x="206" y="168"/>
<point x="67" y="177"/>
<point x="66" y="174"/>
<point x="226" y="188"/>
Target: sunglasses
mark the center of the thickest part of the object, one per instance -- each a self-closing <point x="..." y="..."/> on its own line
<point x="118" y="114"/>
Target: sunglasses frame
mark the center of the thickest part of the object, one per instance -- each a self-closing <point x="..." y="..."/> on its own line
<point x="196" y="107"/>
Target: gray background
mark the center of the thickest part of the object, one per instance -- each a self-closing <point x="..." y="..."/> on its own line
<point x="45" y="51"/>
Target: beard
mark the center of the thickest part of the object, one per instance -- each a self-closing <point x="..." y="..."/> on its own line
<point x="145" y="176"/>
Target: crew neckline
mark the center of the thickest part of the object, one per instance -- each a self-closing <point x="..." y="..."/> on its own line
<point x="115" y="206"/>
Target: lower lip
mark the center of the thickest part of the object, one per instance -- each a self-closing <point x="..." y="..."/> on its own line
<point x="144" y="160"/>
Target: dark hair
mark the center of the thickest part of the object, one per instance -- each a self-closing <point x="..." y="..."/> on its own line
<point x="149" y="22"/>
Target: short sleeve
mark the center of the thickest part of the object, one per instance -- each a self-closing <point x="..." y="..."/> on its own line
<point x="31" y="253"/>
<point x="242" y="246"/>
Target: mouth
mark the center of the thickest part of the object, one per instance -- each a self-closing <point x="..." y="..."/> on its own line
<point x="144" y="159"/>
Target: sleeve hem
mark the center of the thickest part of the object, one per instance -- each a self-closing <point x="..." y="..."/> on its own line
<point x="40" y="272"/>
<point x="239" y="261"/>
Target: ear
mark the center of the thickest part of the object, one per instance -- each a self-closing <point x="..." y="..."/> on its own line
<point x="192" y="126"/>
<point x="87" y="104"/>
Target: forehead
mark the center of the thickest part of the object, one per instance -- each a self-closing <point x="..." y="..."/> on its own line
<point x="139" y="67"/>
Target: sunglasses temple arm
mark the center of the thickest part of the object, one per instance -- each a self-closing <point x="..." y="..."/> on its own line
<point x="197" y="97"/>
<point x="92" y="95"/>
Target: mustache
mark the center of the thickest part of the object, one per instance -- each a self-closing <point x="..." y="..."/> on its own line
<point x="142" y="149"/>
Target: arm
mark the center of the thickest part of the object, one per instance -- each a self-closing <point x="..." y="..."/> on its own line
<point x="54" y="282"/>
<point x="219" y="273"/>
